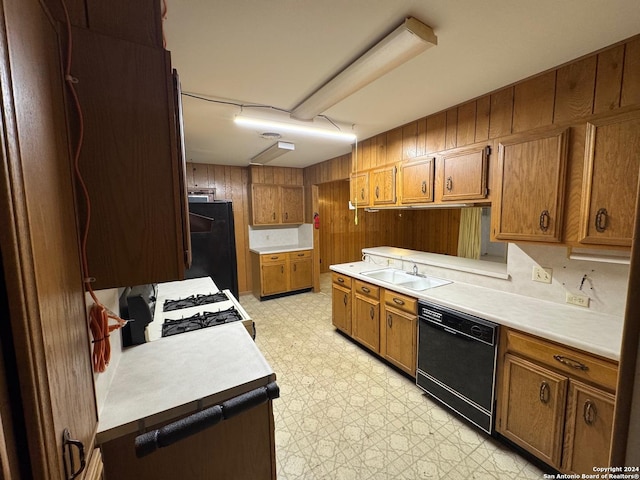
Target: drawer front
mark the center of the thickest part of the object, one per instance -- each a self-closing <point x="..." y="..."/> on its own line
<point x="567" y="360"/>
<point x="300" y="254"/>
<point x="273" y="258"/>
<point x="341" y="279"/>
<point x="401" y="302"/>
<point x="367" y="289"/>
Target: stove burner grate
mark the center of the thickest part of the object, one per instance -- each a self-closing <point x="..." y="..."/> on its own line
<point x="199" y="320"/>
<point x="194" y="301"/>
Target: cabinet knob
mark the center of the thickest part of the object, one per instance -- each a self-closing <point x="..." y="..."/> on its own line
<point x="340" y="280"/>
<point x="601" y="220"/>
<point x="544" y="392"/>
<point x="545" y="219"/>
<point x="424" y="186"/>
<point x="449" y="184"/>
<point x="589" y="412"/>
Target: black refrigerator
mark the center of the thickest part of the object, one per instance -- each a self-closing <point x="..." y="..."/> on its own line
<point x="213" y="243"/>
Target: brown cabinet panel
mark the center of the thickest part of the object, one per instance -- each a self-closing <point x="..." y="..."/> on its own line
<point x="400" y="336"/>
<point x="588" y="428"/>
<point x="409" y="140"/>
<point x="609" y="79"/>
<point x="452" y="129"/>
<point x="139" y="21"/>
<point x="274" y="278"/>
<point x="394" y="146"/>
<point x="464" y="174"/>
<point x="610" y="182"/>
<point x="501" y="118"/>
<point x="436" y="131"/>
<point x="265" y="204"/>
<point x="360" y="189"/>
<point x="575" y="90"/>
<point x="383" y="188"/>
<point x="466" y="132"/>
<point x="533" y="102"/>
<point x="300" y="272"/>
<point x="531" y="186"/>
<point x="631" y="74"/>
<point x="533" y="405"/>
<point x="483" y="114"/>
<point x="199" y="175"/>
<point x="366" y="321"/>
<point x="341" y="308"/>
<point x="416" y="181"/>
<point x="292" y="206"/>
<point x="379" y="150"/>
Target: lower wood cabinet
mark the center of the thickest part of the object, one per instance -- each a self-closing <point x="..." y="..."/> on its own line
<point x="398" y="331"/>
<point x="278" y="273"/>
<point x="546" y="406"/>
<point x="341" y="302"/>
<point x="366" y="315"/>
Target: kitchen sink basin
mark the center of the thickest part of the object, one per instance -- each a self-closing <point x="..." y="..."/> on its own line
<point x="405" y="280"/>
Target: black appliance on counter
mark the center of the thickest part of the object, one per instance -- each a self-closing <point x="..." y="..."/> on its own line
<point x="457" y="356"/>
<point x="213" y="243"/>
<point x="136" y="306"/>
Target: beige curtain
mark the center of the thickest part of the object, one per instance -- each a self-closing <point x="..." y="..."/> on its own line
<point x="470" y="234"/>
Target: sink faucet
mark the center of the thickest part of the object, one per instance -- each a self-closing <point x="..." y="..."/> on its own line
<point x="415" y="269"/>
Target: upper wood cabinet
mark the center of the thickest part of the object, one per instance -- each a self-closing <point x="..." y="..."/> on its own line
<point x="130" y="161"/>
<point x="531" y="173"/>
<point x="359" y="186"/>
<point x="383" y="186"/>
<point x="416" y="181"/>
<point x="610" y="181"/>
<point x="277" y="204"/>
<point x="463" y="173"/>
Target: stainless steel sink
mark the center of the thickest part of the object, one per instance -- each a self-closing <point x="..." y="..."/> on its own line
<point x="405" y="280"/>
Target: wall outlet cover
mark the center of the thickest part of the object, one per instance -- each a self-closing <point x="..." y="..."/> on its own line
<point x="578" y="299"/>
<point x="541" y="274"/>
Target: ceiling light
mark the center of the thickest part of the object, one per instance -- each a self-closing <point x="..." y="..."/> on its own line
<point x="294" y="128"/>
<point x="274" y="151"/>
<point x="405" y="42"/>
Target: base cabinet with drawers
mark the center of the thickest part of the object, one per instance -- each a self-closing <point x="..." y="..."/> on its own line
<point x="556" y="402"/>
<point x="341" y="302"/>
<point x="278" y="273"/>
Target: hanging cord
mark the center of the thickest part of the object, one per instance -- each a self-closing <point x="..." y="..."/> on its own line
<point x="99" y="315"/>
<point x="164" y="17"/>
<point x="356" y="199"/>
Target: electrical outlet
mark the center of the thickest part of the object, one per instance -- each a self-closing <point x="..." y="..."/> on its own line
<point x="578" y="299"/>
<point x="541" y="274"/>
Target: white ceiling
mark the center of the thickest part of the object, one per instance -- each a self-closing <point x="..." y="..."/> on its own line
<point x="277" y="52"/>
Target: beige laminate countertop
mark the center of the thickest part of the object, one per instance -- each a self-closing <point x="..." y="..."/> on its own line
<point x="577" y="327"/>
<point x="280" y="249"/>
<point x="178" y="375"/>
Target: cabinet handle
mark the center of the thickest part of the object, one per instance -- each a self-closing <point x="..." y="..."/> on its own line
<point x="424" y="186"/>
<point x="362" y="194"/>
<point x="70" y="469"/>
<point x="589" y="412"/>
<point x="366" y="290"/>
<point x="601" y="220"/>
<point x="449" y="184"/>
<point x="545" y="219"/>
<point x="282" y="269"/>
<point x="377" y="191"/>
<point x="301" y="254"/>
<point x="286" y="215"/>
<point x="295" y="267"/>
<point x="340" y="280"/>
<point x="569" y="362"/>
<point x="389" y="320"/>
<point x="273" y="215"/>
<point x="398" y="301"/>
<point x="274" y="258"/>
<point x="371" y="313"/>
<point x="544" y="392"/>
<point x="345" y="300"/>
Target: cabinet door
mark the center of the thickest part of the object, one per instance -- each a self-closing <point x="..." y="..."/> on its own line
<point x="531" y="186"/>
<point x="292" y="205"/>
<point x="588" y="428"/>
<point x="400" y="339"/>
<point x="341" y="308"/>
<point x="200" y="176"/>
<point x="610" y="181"/>
<point x="360" y="189"/>
<point x="300" y="274"/>
<point x="384" y="186"/>
<point x="366" y="322"/>
<point x="265" y="204"/>
<point x="532" y="410"/>
<point x="464" y="174"/>
<point x="416" y="181"/>
<point x="274" y="278"/>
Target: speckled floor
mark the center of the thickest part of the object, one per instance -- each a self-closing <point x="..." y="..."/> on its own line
<point x="344" y="414"/>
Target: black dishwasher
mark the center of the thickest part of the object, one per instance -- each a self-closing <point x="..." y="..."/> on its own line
<point x="457" y="361"/>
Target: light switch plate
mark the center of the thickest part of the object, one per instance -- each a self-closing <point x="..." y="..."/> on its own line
<point x="541" y="274"/>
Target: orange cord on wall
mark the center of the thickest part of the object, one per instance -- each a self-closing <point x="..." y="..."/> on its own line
<point x="99" y="315"/>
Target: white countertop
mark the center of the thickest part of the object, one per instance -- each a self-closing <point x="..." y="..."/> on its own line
<point x="280" y="249"/>
<point x="577" y="327"/>
<point x="174" y="376"/>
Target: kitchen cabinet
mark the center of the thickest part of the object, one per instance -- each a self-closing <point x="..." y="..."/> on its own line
<point x="130" y="161"/>
<point x="398" y="331"/>
<point x="531" y="171"/>
<point x="416" y="181"/>
<point x="366" y="315"/>
<point x="278" y="273"/>
<point x="277" y="204"/>
<point x="341" y="302"/>
<point x="463" y="173"/>
<point x="359" y="186"/>
<point x="556" y="402"/>
<point x="610" y="181"/>
<point x="383" y="187"/>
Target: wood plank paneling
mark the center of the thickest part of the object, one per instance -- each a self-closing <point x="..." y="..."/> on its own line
<point x="364" y="160"/>
<point x="421" y="147"/>
<point x="466" y="131"/>
<point x="631" y="74"/>
<point x="394" y="145"/>
<point x="436" y="130"/>
<point x="409" y="140"/>
<point x="452" y="128"/>
<point x="575" y="90"/>
<point x="501" y="117"/>
<point x="609" y="79"/>
<point x="533" y="102"/>
<point x="380" y="146"/>
<point x="483" y="111"/>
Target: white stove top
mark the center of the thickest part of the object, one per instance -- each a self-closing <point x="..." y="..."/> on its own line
<point x="183" y="289"/>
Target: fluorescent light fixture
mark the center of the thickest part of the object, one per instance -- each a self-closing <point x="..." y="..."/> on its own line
<point x="293" y="128"/>
<point x="405" y="42"/>
<point x="274" y="151"/>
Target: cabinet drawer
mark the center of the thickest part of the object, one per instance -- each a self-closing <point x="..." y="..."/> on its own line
<point x="401" y="302"/>
<point x="367" y="289"/>
<point x="273" y="258"/>
<point x="341" y="279"/>
<point x="567" y="360"/>
<point x="300" y="254"/>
